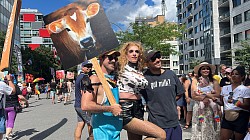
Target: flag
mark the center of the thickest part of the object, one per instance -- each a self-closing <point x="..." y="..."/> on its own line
<point x="9" y="38"/>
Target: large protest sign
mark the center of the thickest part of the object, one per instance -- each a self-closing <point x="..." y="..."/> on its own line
<point x="80" y="31"/>
<point x="9" y="38"/>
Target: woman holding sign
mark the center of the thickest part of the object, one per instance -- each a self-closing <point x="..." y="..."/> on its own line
<point x="130" y="82"/>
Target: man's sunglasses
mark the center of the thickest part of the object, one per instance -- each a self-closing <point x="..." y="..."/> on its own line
<point x="110" y="57"/>
<point x="155" y="56"/>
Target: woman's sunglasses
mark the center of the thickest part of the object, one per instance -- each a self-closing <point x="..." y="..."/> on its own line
<point x="155" y="56"/>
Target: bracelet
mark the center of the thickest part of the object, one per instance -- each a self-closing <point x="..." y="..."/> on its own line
<point x="237" y="103"/>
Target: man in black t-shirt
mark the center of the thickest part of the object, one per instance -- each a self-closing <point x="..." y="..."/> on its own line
<point x="226" y="80"/>
<point x="163" y="89"/>
<point x="52" y="90"/>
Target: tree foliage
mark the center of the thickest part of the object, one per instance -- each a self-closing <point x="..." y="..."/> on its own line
<point x="39" y="61"/>
<point x="152" y="37"/>
<point x="242" y="54"/>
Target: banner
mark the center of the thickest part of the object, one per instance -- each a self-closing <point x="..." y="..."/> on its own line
<point x="60" y="74"/>
<point x="10" y="35"/>
<point x="80" y="31"/>
<point x="70" y="75"/>
<point x="29" y="78"/>
<point x="18" y="55"/>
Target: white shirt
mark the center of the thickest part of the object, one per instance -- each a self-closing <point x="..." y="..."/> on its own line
<point x="4" y="89"/>
<point x="239" y="93"/>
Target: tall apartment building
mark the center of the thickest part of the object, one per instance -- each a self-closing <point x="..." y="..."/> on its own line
<point x="214" y="29"/>
<point x="168" y="62"/>
<point x="234" y="21"/>
<point x="5" y="12"/>
<point x="201" y="41"/>
<point x="32" y="29"/>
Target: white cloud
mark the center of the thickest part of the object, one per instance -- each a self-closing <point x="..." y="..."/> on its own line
<point x="125" y="14"/>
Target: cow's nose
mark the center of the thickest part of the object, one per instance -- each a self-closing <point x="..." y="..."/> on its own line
<point x="87" y="42"/>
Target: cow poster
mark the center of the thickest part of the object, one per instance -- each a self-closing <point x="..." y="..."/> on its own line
<point x="80" y="31"/>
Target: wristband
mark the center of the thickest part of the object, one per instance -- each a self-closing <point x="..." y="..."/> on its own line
<point x="237" y="103"/>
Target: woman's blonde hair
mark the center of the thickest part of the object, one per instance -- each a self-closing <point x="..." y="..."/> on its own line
<point x="124" y="51"/>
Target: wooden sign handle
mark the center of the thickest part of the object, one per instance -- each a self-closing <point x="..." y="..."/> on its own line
<point x="105" y="85"/>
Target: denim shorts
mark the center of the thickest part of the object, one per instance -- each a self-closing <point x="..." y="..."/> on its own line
<point x="2" y="121"/>
<point x="82" y="116"/>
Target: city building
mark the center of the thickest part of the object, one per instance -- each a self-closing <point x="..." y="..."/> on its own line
<point x="234" y="20"/>
<point x="200" y="40"/>
<point x="5" y="12"/>
<point x="32" y="29"/>
<point x="213" y="30"/>
<point x="168" y="62"/>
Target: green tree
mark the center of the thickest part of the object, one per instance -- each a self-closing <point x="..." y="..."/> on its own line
<point x="42" y="59"/>
<point x="242" y="54"/>
<point x="153" y="37"/>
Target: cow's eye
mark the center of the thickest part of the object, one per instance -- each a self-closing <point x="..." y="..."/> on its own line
<point x="67" y="29"/>
<point x="87" y="20"/>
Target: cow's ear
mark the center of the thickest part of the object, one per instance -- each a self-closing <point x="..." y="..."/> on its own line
<point x="56" y="26"/>
<point x="92" y="9"/>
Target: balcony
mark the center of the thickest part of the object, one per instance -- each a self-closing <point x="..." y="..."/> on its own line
<point x="225" y="31"/>
<point x="178" y="3"/>
<point x="189" y="15"/>
<point x="190" y="37"/>
<point x="189" y="3"/>
<point x="190" y="48"/>
<point x="225" y="47"/>
<point x="223" y="3"/>
<point x="224" y="17"/>
<point x="189" y="25"/>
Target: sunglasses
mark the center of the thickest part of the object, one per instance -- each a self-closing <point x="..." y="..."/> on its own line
<point x="131" y="51"/>
<point x="110" y="57"/>
<point x="205" y="69"/>
<point x="155" y="56"/>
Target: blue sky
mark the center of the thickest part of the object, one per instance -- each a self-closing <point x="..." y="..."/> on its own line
<point x="119" y="12"/>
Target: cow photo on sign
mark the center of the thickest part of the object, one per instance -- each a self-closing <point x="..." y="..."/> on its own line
<point x="80" y="31"/>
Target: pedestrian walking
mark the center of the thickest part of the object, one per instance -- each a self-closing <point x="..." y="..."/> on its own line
<point x="52" y="90"/>
<point x="83" y="117"/>
<point x="7" y="87"/>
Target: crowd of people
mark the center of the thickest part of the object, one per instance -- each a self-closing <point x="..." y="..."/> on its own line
<point x="214" y="107"/>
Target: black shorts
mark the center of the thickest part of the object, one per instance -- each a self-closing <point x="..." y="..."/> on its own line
<point x="239" y="125"/>
<point x="131" y="109"/>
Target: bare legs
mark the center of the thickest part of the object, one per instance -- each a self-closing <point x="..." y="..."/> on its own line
<point x="79" y="128"/>
<point x="139" y="127"/>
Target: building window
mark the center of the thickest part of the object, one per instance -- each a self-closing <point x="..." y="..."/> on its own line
<point x="247" y="34"/>
<point x="196" y="42"/>
<point x="186" y="67"/>
<point x="195" y="5"/>
<point x="196" y="17"/>
<point x="236" y="3"/>
<point x="201" y="39"/>
<point x="237" y="37"/>
<point x="196" y="54"/>
<point x="247" y="15"/>
<point x="200" y="14"/>
<point x="237" y="19"/>
<point x="200" y="2"/>
<point x="186" y="57"/>
<point x="202" y="52"/>
<point x="246" y="0"/>
<point x="196" y="29"/>
<point x="201" y="26"/>
<point x="175" y="63"/>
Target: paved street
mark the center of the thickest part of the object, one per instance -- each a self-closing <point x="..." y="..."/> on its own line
<point x="43" y="120"/>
